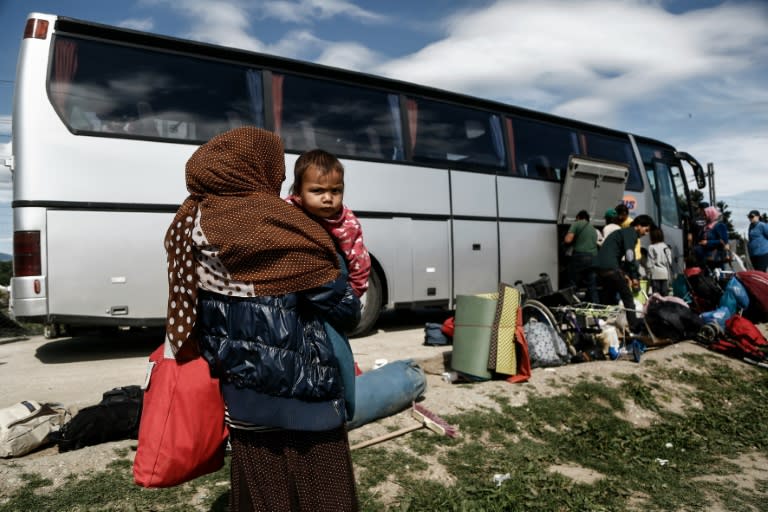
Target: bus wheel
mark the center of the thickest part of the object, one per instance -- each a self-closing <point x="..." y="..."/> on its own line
<point x="371" y="305"/>
<point x="51" y="331"/>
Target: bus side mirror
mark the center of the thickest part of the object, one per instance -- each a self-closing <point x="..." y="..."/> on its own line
<point x="698" y="171"/>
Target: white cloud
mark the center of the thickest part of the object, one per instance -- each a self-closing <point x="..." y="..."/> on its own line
<point x="348" y="55"/>
<point x="229" y="26"/>
<point x="588" y="56"/>
<point x="738" y="158"/>
<point x="304" y="45"/>
<point x="144" y="24"/>
<point x="227" y="22"/>
<point x="306" y="11"/>
<point x="220" y="22"/>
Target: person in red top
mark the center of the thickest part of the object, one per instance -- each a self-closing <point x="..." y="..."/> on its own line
<point x="318" y="188"/>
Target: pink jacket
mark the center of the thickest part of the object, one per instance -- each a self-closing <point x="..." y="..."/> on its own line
<point x="346" y="231"/>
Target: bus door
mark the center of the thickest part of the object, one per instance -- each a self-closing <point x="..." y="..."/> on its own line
<point x="474" y="232"/>
<point x="667" y="182"/>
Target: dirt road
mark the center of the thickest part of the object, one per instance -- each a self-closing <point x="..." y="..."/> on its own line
<point x="77" y="371"/>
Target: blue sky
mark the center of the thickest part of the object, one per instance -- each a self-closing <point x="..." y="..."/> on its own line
<point x="693" y="73"/>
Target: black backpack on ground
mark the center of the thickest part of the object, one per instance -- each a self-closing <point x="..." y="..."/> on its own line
<point x="673" y="321"/>
<point x="706" y="292"/>
<point x="116" y="417"/>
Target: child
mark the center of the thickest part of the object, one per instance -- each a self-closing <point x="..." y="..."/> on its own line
<point x="318" y="188"/>
<point x="659" y="263"/>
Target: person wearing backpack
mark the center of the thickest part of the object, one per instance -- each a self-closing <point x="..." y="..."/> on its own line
<point x="659" y="263"/>
<point x="758" y="242"/>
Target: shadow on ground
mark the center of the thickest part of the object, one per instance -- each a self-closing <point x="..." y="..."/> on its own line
<point x="401" y="320"/>
<point x="107" y="344"/>
<point x="99" y="346"/>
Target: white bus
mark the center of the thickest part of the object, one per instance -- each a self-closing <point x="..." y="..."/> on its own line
<point x="455" y="193"/>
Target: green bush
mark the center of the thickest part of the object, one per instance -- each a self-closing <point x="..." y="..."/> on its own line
<point x="6" y="270"/>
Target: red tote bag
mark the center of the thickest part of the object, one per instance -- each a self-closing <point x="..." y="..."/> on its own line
<point x="182" y="432"/>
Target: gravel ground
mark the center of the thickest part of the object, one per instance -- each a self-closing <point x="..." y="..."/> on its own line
<point x="77" y="371"/>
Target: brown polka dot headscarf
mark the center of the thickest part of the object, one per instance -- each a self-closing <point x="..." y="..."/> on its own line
<point x="234" y="180"/>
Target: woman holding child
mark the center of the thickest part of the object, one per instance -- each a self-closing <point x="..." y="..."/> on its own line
<point x="252" y="283"/>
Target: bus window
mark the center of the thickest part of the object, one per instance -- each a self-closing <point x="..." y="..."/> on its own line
<point x="457" y="136"/>
<point x="541" y="150"/>
<point x="108" y="89"/>
<point x="617" y="150"/>
<point x="345" y="120"/>
<point x="663" y="176"/>
<point x="665" y="191"/>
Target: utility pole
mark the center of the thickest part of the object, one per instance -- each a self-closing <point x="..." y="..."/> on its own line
<point x="711" y="183"/>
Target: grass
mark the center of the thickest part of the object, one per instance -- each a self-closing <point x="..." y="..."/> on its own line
<point x="684" y="459"/>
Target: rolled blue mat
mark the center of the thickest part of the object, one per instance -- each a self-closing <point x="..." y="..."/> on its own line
<point x="386" y="391"/>
<point x="346" y="360"/>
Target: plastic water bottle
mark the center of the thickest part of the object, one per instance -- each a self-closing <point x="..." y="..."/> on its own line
<point x="450" y="377"/>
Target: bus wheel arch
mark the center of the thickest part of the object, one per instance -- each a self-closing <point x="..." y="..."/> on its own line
<point x="372" y="301"/>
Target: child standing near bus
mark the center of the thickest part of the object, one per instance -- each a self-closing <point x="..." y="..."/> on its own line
<point x="659" y="266"/>
<point x="318" y="188"/>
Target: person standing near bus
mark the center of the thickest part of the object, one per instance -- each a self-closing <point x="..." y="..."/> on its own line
<point x="622" y="215"/>
<point x="611" y="222"/>
<point x="758" y="242"/>
<point x="318" y="188"/>
<point x="582" y="238"/>
<point x="252" y="281"/>
<point x="712" y="245"/>
<point x="698" y="224"/>
<point x="617" y="267"/>
<point x="659" y="265"/>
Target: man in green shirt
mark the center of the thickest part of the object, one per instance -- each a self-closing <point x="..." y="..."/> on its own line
<point x="582" y="237"/>
<point x="617" y="268"/>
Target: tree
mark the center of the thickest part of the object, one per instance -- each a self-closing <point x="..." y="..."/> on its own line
<point x="732" y="234"/>
<point x="6" y="269"/>
<point x="692" y="204"/>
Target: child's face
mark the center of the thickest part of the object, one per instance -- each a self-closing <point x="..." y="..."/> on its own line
<point x="321" y="194"/>
<point x="642" y="230"/>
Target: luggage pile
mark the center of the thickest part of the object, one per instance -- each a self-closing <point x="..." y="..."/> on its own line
<point x="531" y="325"/>
<point x="729" y="310"/>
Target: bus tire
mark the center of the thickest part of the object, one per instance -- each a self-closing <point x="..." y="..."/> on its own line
<point x="371" y="303"/>
<point x="51" y="331"/>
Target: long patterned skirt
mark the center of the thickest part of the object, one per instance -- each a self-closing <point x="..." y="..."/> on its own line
<point x="282" y="470"/>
